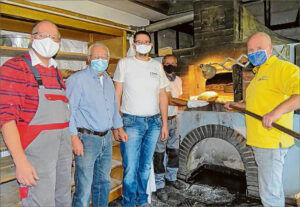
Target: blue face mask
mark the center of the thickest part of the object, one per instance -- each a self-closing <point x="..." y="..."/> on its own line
<point x="258" y="58"/>
<point x="99" y="65"/>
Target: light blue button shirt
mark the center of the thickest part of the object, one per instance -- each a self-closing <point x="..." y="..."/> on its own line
<point x="93" y="106"/>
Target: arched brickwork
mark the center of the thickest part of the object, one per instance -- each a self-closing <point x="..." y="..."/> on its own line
<point x="226" y="134"/>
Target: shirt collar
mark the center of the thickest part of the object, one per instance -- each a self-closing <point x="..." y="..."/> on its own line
<point x="172" y="77"/>
<point x="269" y="61"/>
<point x="94" y="74"/>
<point x="35" y="60"/>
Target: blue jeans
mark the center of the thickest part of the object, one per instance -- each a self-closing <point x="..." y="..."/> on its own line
<point x="92" y="171"/>
<point x="137" y="154"/>
<point x="270" y="167"/>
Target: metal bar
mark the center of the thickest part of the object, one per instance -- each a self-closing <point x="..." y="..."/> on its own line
<point x="275" y="125"/>
<point x="177" y="39"/>
<point x="250" y="2"/>
<point x="156" y="42"/>
<point x="267" y="13"/>
<point x="170" y="22"/>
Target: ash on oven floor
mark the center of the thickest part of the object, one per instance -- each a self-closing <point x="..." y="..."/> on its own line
<point x="199" y="195"/>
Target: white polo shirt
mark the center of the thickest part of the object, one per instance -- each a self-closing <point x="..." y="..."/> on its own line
<point x="175" y="87"/>
<point x="142" y="81"/>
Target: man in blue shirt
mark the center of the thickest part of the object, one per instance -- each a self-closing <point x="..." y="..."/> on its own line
<point x="94" y="112"/>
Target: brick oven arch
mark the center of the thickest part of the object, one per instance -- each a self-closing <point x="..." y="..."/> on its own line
<point x="226" y="134"/>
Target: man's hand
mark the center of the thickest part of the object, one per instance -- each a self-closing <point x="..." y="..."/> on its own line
<point x="164" y="133"/>
<point x="123" y="135"/>
<point x="25" y="174"/>
<point x="231" y="103"/>
<point x="77" y="145"/>
<point x="120" y="135"/>
<point x="269" y="118"/>
<point x="116" y="134"/>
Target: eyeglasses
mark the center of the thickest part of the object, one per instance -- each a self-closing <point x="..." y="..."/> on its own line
<point x="96" y="57"/>
<point x="142" y="42"/>
<point x="40" y="35"/>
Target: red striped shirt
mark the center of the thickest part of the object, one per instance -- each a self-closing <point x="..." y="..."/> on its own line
<point x="19" y="90"/>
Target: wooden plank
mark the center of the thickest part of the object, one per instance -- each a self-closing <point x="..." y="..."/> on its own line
<point x="61" y="55"/>
<point x="23" y="26"/>
<point x="116" y="191"/>
<point x="117" y="172"/>
<point x="22" y="12"/>
<point x="125" y="48"/>
<point x="16" y="25"/>
<point x="104" y="21"/>
<point x="3" y="147"/>
<point x="115" y="163"/>
<point x="6" y="162"/>
<point x="7" y="174"/>
<point x="115" y="46"/>
<point x="116" y="154"/>
<point x="16" y="51"/>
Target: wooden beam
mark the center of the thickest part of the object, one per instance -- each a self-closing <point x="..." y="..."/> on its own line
<point x="35" y="15"/>
<point x="289" y="25"/>
<point x="250" y="2"/>
<point x="185" y="28"/>
<point x="298" y="18"/>
<point x="156" y="42"/>
<point x="125" y="43"/>
<point x="17" y="25"/>
<point x="267" y="13"/>
<point x="62" y="11"/>
<point x="177" y="40"/>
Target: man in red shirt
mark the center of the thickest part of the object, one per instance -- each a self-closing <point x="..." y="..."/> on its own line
<point x="34" y="116"/>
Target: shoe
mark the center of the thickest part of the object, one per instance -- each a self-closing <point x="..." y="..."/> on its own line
<point x="162" y="194"/>
<point x="176" y="184"/>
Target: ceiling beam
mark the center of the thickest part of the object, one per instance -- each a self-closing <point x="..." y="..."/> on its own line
<point x="185" y="28"/>
<point x="267" y="13"/>
<point x="289" y="25"/>
<point x="250" y="2"/>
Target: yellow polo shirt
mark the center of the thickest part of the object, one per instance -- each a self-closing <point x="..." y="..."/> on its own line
<point x="274" y="82"/>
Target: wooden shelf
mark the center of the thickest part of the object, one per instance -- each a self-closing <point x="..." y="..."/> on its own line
<point x="61" y="55"/>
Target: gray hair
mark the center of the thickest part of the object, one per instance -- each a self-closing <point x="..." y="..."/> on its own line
<point x="97" y="44"/>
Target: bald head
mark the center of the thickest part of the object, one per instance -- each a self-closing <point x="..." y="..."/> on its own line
<point x="46" y="27"/>
<point x="260" y="41"/>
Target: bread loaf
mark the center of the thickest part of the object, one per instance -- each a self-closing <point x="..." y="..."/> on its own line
<point x="208" y="96"/>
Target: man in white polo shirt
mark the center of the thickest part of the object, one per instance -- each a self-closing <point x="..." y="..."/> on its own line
<point x="140" y="84"/>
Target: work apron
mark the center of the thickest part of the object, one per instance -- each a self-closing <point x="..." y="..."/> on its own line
<point x="47" y="144"/>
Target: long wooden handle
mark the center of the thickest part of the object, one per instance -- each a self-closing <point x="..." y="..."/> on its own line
<point x="275" y="125"/>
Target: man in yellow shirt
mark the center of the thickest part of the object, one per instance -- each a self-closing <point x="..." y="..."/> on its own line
<point x="274" y="94"/>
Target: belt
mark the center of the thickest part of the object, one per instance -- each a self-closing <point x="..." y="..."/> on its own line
<point x="171" y="117"/>
<point x="86" y="131"/>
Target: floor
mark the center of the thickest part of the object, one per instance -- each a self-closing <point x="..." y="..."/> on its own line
<point x="198" y="195"/>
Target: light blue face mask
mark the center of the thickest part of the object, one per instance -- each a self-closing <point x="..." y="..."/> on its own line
<point x="258" y="58"/>
<point x="99" y="65"/>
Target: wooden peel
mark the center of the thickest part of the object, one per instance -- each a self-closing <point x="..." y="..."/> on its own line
<point x="275" y="125"/>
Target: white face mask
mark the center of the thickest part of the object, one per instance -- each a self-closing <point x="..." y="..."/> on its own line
<point x="143" y="49"/>
<point x="45" y="47"/>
